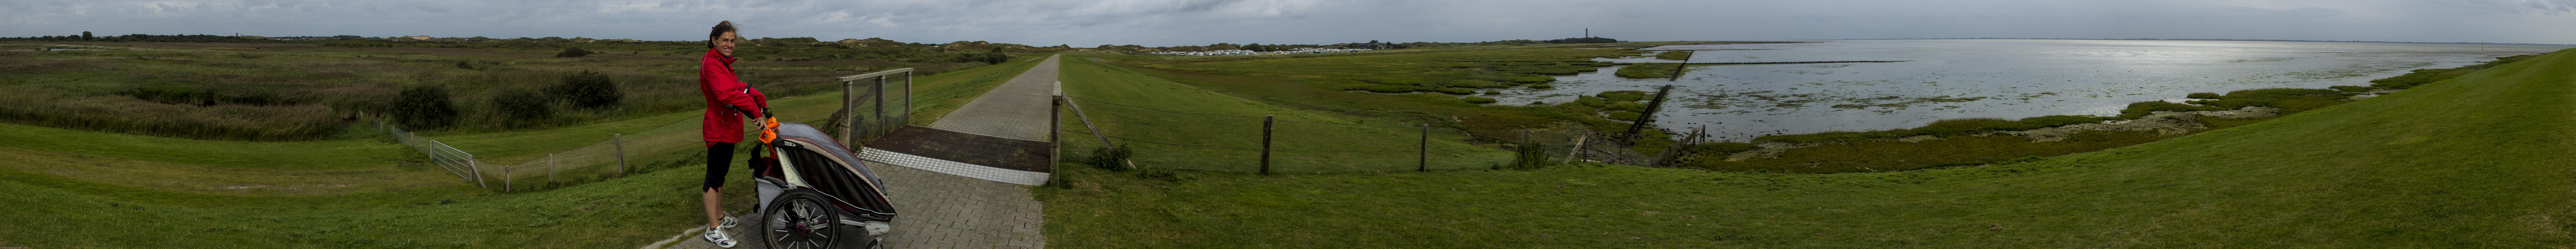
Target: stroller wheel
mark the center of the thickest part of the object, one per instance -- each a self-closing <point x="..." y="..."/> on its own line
<point x="799" y="219"/>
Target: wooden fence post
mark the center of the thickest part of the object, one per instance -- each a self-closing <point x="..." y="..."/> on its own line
<point x="619" y="140"/>
<point x="505" y="177"/>
<point x="877" y="95"/>
<point x="550" y="169"/>
<point x="846" y="120"/>
<point x="1266" y="120"/>
<point x="1055" y="144"/>
<point x="478" y="172"/>
<point x="1577" y="150"/>
<point x="1423" y="163"/>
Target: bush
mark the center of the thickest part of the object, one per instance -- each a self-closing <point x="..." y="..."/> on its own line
<point x="1454" y="90"/>
<point x="1946" y="127"/>
<point x="1590" y="101"/>
<point x="2277" y="97"/>
<point x="1112" y="158"/>
<point x="2141" y="109"/>
<point x="1648" y="70"/>
<point x="1529" y="157"/>
<point x="1390" y="89"/>
<point x="1163" y="174"/>
<point x="464" y="65"/>
<point x="1722" y="147"/>
<point x="1622" y="95"/>
<point x="1474" y="84"/>
<point x="1530" y="79"/>
<point x="1626" y="106"/>
<point x="1625" y="115"/>
<point x="424" y="107"/>
<point x="573" y="52"/>
<point x="1541" y="86"/>
<point x="1478" y="100"/>
<point x="521" y="107"/>
<point x="1493" y="92"/>
<point x="2203" y="95"/>
<point x="587" y="90"/>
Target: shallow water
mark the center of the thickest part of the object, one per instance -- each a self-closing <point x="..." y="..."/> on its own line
<point x="1968" y="78"/>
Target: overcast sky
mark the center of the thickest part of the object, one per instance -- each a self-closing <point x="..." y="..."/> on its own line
<point x="1086" y="23"/>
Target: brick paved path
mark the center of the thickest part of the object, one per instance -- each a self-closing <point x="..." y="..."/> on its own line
<point x="1016" y="109"/>
<point x="936" y="211"/>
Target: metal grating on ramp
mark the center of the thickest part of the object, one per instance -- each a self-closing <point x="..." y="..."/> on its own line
<point x="1000" y="159"/>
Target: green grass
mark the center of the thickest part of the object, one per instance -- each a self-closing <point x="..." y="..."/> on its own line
<point x="359" y="190"/>
<point x="2411" y="169"/>
<point x="1649" y="70"/>
<point x="1321" y="84"/>
<point x="1945" y="127"/>
<point x="1679" y="55"/>
<point x="1162" y="135"/>
<point x="298" y="92"/>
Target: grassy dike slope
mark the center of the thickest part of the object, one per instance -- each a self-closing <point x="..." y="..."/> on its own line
<point x="2479" y="161"/>
<point x="77" y="189"/>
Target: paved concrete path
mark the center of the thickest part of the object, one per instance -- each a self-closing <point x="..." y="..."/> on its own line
<point x="939" y="210"/>
<point x="1017" y="109"/>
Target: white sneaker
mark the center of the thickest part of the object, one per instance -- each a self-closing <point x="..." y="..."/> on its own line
<point x="727" y="222"/>
<point x="718" y="237"/>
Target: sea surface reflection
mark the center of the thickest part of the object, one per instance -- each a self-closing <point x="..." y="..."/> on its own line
<point x="1996" y="78"/>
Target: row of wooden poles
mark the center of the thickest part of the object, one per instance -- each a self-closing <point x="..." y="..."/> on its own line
<point x="1422" y="160"/>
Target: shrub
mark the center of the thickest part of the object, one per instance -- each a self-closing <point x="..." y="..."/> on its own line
<point x="1541" y="86"/>
<point x="1390" y="89"/>
<point x="2285" y="98"/>
<point x="1474" y="84"/>
<point x="587" y="90"/>
<point x="1961" y="126"/>
<point x="1529" y="157"/>
<point x="1722" y="147"/>
<point x="1454" y="90"/>
<point x="2203" y="95"/>
<point x="1478" y="100"/>
<point x="573" y="52"/>
<point x="1626" y="106"/>
<point x="522" y="106"/>
<point x="1163" y="174"/>
<point x="1530" y="79"/>
<point x="1648" y="70"/>
<point x="2141" y="109"/>
<point x="1492" y="92"/>
<point x="1622" y="95"/>
<point x="2057" y="120"/>
<point x="1674" y="55"/>
<point x="1112" y="158"/>
<point x="1832" y="136"/>
<point x="424" y="107"/>
<point x="1625" y="115"/>
<point x="1589" y="101"/>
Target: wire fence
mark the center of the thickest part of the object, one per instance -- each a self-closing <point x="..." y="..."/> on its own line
<point x="1198" y="141"/>
<point x="874" y="104"/>
<point x="885" y="94"/>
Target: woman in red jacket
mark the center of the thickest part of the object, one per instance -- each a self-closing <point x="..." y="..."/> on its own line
<point x="727" y="97"/>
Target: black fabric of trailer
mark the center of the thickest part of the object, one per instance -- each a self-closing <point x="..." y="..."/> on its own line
<point x="970" y="148"/>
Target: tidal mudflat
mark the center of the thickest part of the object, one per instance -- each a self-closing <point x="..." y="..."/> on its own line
<point x="1968" y="78"/>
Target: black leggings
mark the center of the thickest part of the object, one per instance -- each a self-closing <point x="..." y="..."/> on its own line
<point x="718" y="155"/>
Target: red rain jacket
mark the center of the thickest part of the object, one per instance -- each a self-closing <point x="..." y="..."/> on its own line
<point x="727" y="98"/>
